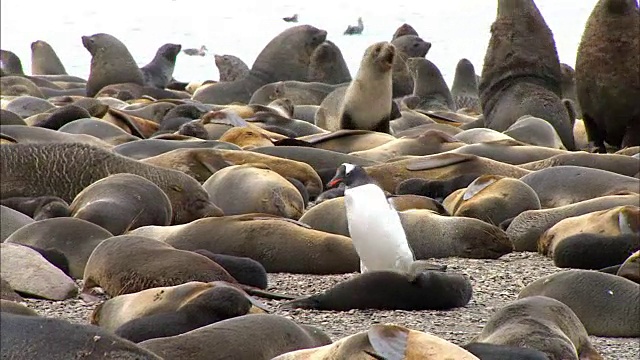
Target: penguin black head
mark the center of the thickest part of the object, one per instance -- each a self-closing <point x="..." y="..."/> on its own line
<point x="350" y="175"/>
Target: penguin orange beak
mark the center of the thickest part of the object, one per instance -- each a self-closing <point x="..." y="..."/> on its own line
<point x="334" y="182"/>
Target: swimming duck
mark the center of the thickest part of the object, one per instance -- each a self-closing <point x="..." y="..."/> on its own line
<point x="293" y="18"/>
<point x="355" y="30"/>
<point x="196" y="52"/>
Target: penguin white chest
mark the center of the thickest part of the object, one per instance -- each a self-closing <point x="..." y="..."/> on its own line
<point x="376" y="230"/>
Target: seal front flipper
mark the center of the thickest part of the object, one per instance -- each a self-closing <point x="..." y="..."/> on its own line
<point x="439" y="160"/>
<point x="374" y="355"/>
<point x="389" y="341"/>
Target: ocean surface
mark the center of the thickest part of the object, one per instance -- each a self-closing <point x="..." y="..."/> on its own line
<point x="456" y="28"/>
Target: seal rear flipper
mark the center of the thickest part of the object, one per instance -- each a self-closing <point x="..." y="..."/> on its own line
<point x="307" y="302"/>
<point x="264" y="293"/>
<point x="389" y="341"/>
<point x="436" y="161"/>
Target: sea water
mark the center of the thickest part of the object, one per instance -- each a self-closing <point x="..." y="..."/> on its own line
<point x="456" y="28"/>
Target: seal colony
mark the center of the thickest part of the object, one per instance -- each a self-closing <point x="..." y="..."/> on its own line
<point x="185" y="209"/>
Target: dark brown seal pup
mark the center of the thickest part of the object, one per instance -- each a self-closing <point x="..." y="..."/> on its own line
<point x="111" y="63"/>
<point x="62" y="170"/>
<point x="44" y="60"/>
<point x="486" y="351"/>
<point x="608" y="75"/>
<point x="543" y="324"/>
<point x="606" y="304"/>
<point x="29" y="337"/>
<point x="465" y="87"/>
<point x="122" y="202"/>
<point x="246" y="270"/>
<point x="285" y="57"/>
<point x="327" y="65"/>
<point x="249" y="337"/>
<point x="217" y="304"/>
<point x="391" y="290"/>
<point x="521" y="73"/>
<point x="594" y="251"/>
<point x="159" y="72"/>
<point x="40" y="207"/>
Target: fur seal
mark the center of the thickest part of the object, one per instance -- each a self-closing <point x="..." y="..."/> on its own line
<point x="564" y="185"/>
<point x="44" y="60"/>
<point x="327" y="65"/>
<point x="253" y="188"/>
<point x="10" y="118"/>
<point x="439" y="167"/>
<point x="249" y="337"/>
<point x="111" y="63"/>
<point x="521" y="73"/>
<point x="606" y="304"/>
<point x="615" y="163"/>
<point x="74" y="238"/>
<point x="146" y="148"/>
<point x="144" y="264"/>
<point x="366" y="104"/>
<point x="428" y="143"/>
<point x="404" y="29"/>
<point x="464" y="90"/>
<point x="159" y="72"/>
<point x="12" y="220"/>
<point x="33" y="135"/>
<point x="230" y="67"/>
<point x="525" y="229"/>
<point x="24" y="337"/>
<point x="7" y="292"/>
<point x="54" y="119"/>
<point x="608" y="76"/>
<point x="216" y="304"/>
<point x="407" y="46"/>
<point x="202" y="163"/>
<point x="616" y="221"/>
<point x="480" y="135"/>
<point x="62" y="173"/>
<point x="430" y="91"/>
<point x="39" y="208"/>
<point x="508" y="151"/>
<point x="122" y="309"/>
<point x="122" y="202"/>
<point x="10" y="63"/>
<point x="535" y="131"/>
<point x="285" y="57"/>
<point x="299" y="92"/>
<point x="448" y="236"/>
<point x="392" y="290"/>
<point x="492" y="199"/>
<point x="347" y="141"/>
<point x="543" y="324"/>
<point x="246" y="270"/>
<point x="630" y="269"/>
<point x="105" y="131"/>
<point x="316" y="252"/>
<point x="324" y="162"/>
<point x="384" y="341"/>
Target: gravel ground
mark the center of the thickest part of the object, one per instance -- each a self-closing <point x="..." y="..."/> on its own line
<point x="495" y="283"/>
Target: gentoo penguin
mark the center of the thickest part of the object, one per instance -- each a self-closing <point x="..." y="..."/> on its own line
<point x="374" y="225"/>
